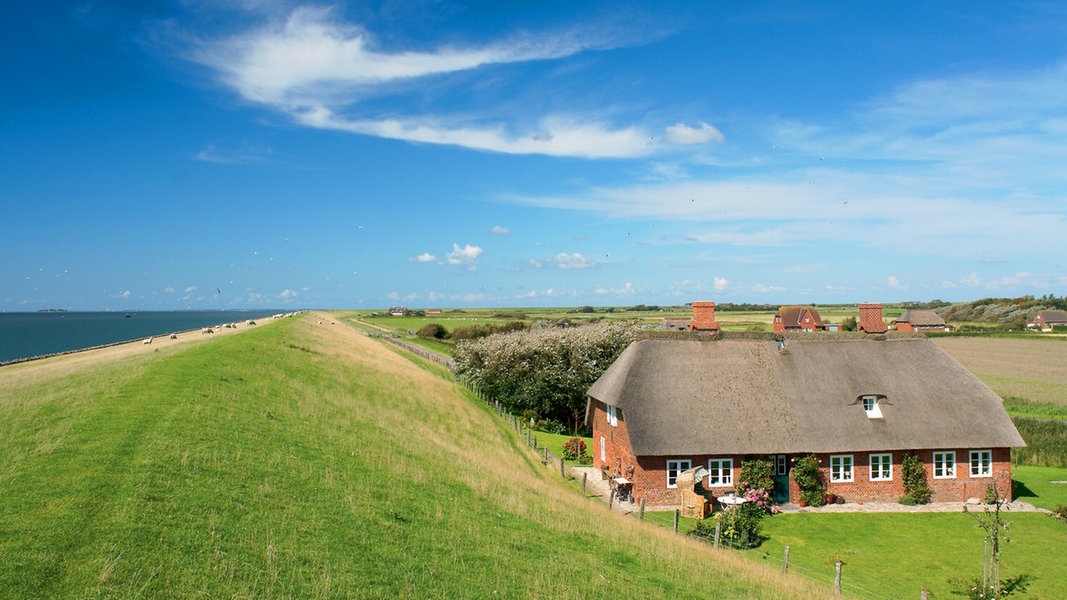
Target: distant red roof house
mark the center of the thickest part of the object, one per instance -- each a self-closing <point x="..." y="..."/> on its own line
<point x="798" y="318"/>
<point x="920" y="320"/>
<point x="1047" y="319"/>
<point x="870" y="319"/>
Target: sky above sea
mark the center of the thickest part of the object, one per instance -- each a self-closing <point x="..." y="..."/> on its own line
<point x="189" y="155"/>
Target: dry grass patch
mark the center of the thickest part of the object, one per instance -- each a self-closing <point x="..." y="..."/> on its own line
<point x="1035" y="369"/>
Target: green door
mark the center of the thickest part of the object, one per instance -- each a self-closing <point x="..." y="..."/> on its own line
<point x="780" y="493"/>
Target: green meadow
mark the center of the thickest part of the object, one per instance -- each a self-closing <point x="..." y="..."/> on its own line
<point x="306" y="460"/>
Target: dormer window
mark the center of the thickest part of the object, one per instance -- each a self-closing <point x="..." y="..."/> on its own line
<point x="870" y="406"/>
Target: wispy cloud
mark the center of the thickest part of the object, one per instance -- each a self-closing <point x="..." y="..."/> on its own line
<point x="935" y="168"/>
<point x="498" y="230"/>
<point x="324" y="72"/>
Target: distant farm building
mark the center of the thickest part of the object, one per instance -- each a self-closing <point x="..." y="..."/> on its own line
<point x="920" y="320"/>
<point x="1046" y="320"/>
<point x="798" y="318"/>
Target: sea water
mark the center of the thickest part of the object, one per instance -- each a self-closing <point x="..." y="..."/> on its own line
<point x="24" y="335"/>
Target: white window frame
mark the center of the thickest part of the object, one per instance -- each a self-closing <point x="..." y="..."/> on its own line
<point x="983" y="470"/>
<point x="781" y="464"/>
<point x="675" y="466"/>
<point x="838" y="472"/>
<point x="946" y="467"/>
<point x="613" y="416"/>
<point x="870" y="407"/>
<point x="603" y="450"/>
<point x="724" y="467"/>
<point x="881" y="466"/>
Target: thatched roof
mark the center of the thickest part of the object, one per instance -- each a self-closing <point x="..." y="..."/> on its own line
<point x="723" y="394"/>
<point x="921" y="318"/>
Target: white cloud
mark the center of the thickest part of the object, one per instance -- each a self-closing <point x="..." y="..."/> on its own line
<point x="287" y="294"/>
<point x="683" y="134"/>
<point x="498" y="230"/>
<point x="319" y="69"/>
<point x="721" y="283"/>
<point x="573" y="261"/>
<point x="466" y="257"/>
<point x="124" y="294"/>
<point x="424" y="257"/>
<point x="894" y="283"/>
<point x="168" y="290"/>
<point x="190" y="289"/>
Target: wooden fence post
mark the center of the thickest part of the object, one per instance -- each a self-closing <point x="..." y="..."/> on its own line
<point x="546" y="454"/>
<point x="718" y="531"/>
<point x="561" y="472"/>
<point x="585" y="476"/>
<point x="785" y="559"/>
<point x="837" y="577"/>
<point x="676" y="514"/>
<point x="641" y="513"/>
<point x="611" y="498"/>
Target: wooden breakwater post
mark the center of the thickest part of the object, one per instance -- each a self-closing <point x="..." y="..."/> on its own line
<point x="837" y="577"/>
<point x="785" y="559"/>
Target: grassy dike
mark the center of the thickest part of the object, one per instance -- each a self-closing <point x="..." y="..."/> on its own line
<point x="305" y="460"/>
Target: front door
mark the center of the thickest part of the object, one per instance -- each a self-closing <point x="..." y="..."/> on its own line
<point x="780" y="493"/>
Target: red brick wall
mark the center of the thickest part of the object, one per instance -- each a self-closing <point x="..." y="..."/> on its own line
<point x="650" y="474"/>
<point x="616" y="440"/>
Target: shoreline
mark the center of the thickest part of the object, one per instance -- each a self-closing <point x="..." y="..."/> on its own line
<point x="230" y="327"/>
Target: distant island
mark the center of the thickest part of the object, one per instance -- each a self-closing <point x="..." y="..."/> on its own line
<point x="51" y="310"/>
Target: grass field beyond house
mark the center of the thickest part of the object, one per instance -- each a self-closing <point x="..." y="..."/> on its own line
<point x="305" y="461"/>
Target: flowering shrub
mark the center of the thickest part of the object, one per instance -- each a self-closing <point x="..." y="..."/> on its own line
<point x="544" y="370"/>
<point x="574" y="450"/>
<point x="809" y="479"/>
<point x="740" y="524"/>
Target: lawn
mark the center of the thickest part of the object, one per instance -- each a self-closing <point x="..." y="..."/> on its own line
<point x="898" y="554"/>
<point x="1035" y="485"/>
<point x="297" y="460"/>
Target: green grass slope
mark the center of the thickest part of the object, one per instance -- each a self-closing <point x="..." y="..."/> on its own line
<point x="305" y="460"/>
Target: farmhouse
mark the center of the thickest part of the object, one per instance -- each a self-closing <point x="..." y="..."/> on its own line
<point x="920" y="320"/>
<point x="798" y="318"/>
<point x="1046" y="320"/>
<point x="675" y="401"/>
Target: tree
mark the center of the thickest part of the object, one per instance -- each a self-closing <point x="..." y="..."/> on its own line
<point x="432" y="330"/>
<point x="848" y="324"/>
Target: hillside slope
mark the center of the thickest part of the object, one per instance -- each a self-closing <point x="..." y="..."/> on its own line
<point x="305" y="460"/>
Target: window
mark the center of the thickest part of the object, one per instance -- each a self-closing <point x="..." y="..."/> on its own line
<point x="944" y="465"/>
<point x="881" y="467"/>
<point x="603" y="451"/>
<point x="840" y="467"/>
<point x="870" y="406"/>
<point x="781" y="464"/>
<point x="613" y="416"/>
<point x="674" y="467"/>
<point x="721" y="471"/>
<point x="981" y="463"/>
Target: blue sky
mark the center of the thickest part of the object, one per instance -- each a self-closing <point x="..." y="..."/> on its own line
<point x="194" y="154"/>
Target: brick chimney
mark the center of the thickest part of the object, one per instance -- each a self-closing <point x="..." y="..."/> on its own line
<point x="870" y="319"/>
<point x="703" y="317"/>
